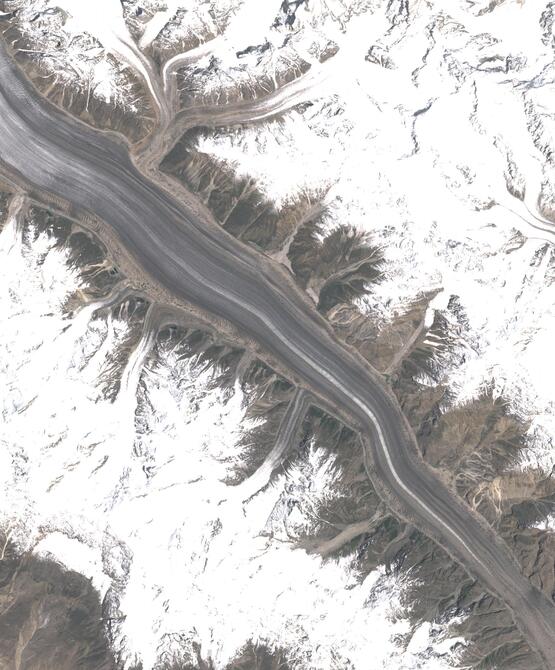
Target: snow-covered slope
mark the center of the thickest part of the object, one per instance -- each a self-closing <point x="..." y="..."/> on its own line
<point x="426" y="125"/>
<point x="73" y="39"/>
<point x="440" y="145"/>
<point x="135" y="499"/>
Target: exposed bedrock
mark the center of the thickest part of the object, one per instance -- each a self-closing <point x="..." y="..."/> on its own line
<point x="262" y="71"/>
<point x="236" y="201"/>
<point x="259" y="657"/>
<point x="266" y="397"/>
<point x="352" y="522"/>
<point x="163" y="31"/>
<point x="179" y="35"/>
<point x="102" y="295"/>
<point x="50" y="618"/>
<point x="335" y="265"/>
<point x="480" y="447"/>
<point x="85" y="254"/>
<point x="476" y="447"/>
<point x="5" y="197"/>
<point x="123" y="366"/>
<point x="336" y="268"/>
<point x="133" y="114"/>
<point x="255" y="656"/>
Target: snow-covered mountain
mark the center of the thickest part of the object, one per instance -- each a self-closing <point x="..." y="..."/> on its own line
<point x="397" y="158"/>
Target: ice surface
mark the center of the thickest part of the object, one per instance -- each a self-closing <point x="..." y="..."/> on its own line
<point x="139" y="506"/>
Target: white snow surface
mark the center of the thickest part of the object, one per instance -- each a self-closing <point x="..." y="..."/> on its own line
<point x="103" y="19"/>
<point x="420" y="150"/>
<point x="86" y="44"/>
<point x="131" y="495"/>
